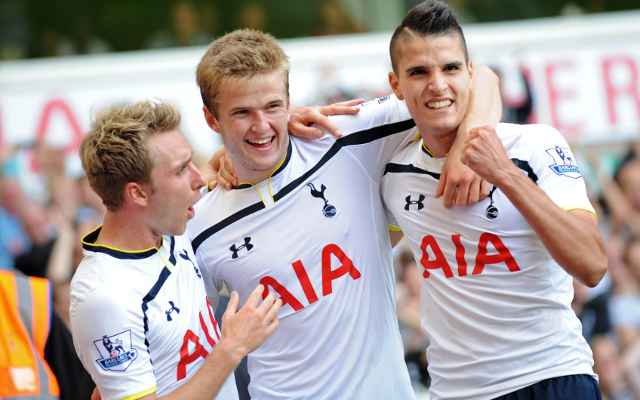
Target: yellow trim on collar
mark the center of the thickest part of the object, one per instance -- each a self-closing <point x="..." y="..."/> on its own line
<point x="114" y="248"/>
<point x="272" y="172"/>
<point x="393" y="228"/>
<point x="432" y="156"/>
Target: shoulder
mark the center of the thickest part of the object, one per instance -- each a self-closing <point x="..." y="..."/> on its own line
<point x="407" y="154"/>
<point x="101" y="280"/>
<point x="377" y="112"/>
<point x="527" y="133"/>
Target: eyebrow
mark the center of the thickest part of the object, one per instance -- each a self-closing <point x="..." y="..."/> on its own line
<point x="423" y="67"/>
<point x="242" y="107"/>
<point x="185" y="163"/>
<point x="454" y="64"/>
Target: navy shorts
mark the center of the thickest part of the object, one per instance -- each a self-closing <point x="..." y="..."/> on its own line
<point x="570" y="387"/>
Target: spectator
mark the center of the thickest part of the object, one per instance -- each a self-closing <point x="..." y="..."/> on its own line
<point x="610" y="369"/>
<point x="185" y="29"/>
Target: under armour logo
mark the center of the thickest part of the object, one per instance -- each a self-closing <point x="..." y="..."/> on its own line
<point x="418" y="202"/>
<point x="172" y="309"/>
<point x="328" y="210"/>
<point x="186" y="257"/>
<point x="235" y="250"/>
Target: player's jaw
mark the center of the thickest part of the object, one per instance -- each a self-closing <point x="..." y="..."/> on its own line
<point x="265" y="152"/>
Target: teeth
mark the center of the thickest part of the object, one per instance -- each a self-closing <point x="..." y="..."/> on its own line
<point x="439" y="104"/>
<point x="260" y="141"/>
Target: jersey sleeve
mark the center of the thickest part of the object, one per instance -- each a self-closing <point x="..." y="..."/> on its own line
<point x="212" y="284"/>
<point x="391" y="220"/>
<point x="108" y="333"/>
<point x="555" y="167"/>
<point x="382" y="126"/>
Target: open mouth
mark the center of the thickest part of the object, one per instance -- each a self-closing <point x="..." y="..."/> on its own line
<point x="439" y="105"/>
<point x="261" y="142"/>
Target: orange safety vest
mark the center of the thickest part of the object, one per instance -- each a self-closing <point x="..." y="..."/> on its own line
<point x="25" y="320"/>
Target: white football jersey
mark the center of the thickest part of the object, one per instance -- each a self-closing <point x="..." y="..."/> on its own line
<point x="495" y="305"/>
<point x="315" y="233"/>
<point x="140" y="320"/>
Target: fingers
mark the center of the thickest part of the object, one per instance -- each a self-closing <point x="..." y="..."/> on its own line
<point x="272" y="312"/>
<point x="325" y="122"/>
<point x="449" y="192"/>
<point x="232" y="306"/>
<point x="350" y="104"/>
<point x="226" y="175"/>
<point x="307" y="131"/>
<point x="272" y="326"/>
<point x="343" y="107"/>
<point x="462" y="195"/>
<point x="485" y="189"/>
<point x="267" y="302"/>
<point x="475" y="191"/>
<point x="255" y="296"/>
<point x="441" y="183"/>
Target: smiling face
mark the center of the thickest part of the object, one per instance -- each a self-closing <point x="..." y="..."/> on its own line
<point x="175" y="183"/>
<point x="434" y="79"/>
<point x="252" y="120"/>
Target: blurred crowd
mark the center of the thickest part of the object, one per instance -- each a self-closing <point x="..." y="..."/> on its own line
<point x="185" y="23"/>
<point x="40" y="234"/>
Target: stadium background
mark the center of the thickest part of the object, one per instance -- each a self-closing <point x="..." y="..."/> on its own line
<point x="572" y="65"/>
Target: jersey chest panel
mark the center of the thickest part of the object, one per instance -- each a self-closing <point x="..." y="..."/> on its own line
<point x="316" y="227"/>
<point x="178" y="319"/>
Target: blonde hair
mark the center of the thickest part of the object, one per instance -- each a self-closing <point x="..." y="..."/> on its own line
<point x="115" y="152"/>
<point x="239" y="55"/>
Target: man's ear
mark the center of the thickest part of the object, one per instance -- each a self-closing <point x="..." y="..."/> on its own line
<point x="470" y="74"/>
<point x="137" y="193"/>
<point x="211" y="119"/>
<point x="395" y="85"/>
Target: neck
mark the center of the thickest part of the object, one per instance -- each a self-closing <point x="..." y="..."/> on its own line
<point x="438" y="145"/>
<point x="125" y="231"/>
<point x="254" y="176"/>
<point x="246" y="173"/>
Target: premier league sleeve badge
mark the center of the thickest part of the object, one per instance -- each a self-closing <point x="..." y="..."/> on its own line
<point x="116" y="351"/>
<point x="563" y="162"/>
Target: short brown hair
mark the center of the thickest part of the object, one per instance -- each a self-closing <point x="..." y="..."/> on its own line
<point x="241" y="54"/>
<point x="115" y="152"/>
<point x="429" y="18"/>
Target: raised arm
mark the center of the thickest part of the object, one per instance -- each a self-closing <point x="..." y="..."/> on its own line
<point x="571" y="237"/>
<point x="458" y="183"/>
<point x="303" y="117"/>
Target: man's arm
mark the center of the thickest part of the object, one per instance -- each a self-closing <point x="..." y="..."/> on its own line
<point x="485" y="108"/>
<point x="571" y="237"/>
<point x="395" y="236"/>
